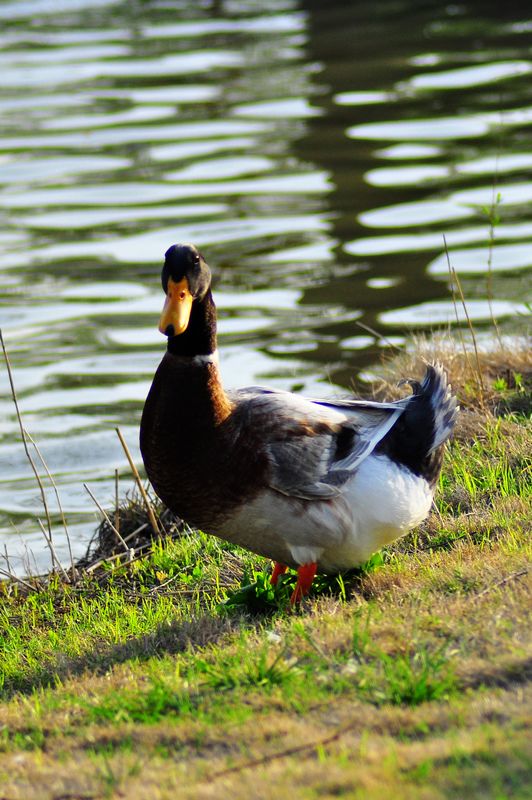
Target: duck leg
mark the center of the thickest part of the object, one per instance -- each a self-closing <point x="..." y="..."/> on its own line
<point x="278" y="569"/>
<point x="305" y="576"/>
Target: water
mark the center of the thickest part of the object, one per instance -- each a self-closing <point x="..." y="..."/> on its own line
<point x="315" y="151"/>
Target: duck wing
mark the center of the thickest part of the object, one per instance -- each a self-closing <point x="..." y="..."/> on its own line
<point x="312" y="447"/>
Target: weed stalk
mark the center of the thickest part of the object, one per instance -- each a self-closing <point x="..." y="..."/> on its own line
<point x="56" y="492"/>
<point x="102" y="511"/>
<point x="455" y="281"/>
<point x="24" y="440"/>
<point x="144" y="495"/>
<point x="494" y="220"/>
<point x="49" y="542"/>
<point x="117" y="505"/>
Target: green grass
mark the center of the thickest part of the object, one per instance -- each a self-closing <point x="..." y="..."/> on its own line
<point x="490" y="468"/>
<point x="184" y="673"/>
<point x="412" y="679"/>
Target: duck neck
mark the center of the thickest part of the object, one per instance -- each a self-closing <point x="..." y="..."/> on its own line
<point x="194" y="360"/>
<point x="199" y="339"/>
<point x="199" y="402"/>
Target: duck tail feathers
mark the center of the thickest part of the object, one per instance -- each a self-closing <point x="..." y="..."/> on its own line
<point x="427" y="421"/>
<point x="435" y="391"/>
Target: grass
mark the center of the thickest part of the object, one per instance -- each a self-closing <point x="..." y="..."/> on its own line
<point x="182" y="672"/>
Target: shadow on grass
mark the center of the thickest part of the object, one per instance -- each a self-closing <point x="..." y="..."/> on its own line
<point x="248" y="606"/>
<point x="511" y="673"/>
<point x="499" y="770"/>
<point x="166" y="639"/>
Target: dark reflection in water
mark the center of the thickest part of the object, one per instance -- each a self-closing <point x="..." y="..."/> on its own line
<point x="371" y="56"/>
<point x="317" y="152"/>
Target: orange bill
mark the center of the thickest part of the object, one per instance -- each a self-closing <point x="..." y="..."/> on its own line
<point x="177" y="307"/>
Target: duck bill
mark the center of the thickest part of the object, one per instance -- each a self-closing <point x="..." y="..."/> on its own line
<point x="177" y="306"/>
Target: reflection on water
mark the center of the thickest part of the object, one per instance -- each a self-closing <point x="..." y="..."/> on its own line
<point x="316" y="168"/>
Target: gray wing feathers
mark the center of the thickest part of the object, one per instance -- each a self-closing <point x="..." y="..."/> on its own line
<point x="313" y="447"/>
<point x="372" y="426"/>
<point x="298" y="465"/>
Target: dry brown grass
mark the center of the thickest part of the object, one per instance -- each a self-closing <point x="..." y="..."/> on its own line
<point x="503" y="361"/>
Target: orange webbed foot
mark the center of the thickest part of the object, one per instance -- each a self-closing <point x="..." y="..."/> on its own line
<point x="278" y="569"/>
<point x="305" y="576"/>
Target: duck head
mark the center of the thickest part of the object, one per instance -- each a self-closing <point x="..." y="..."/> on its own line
<point x="185" y="278"/>
<point x="188" y="318"/>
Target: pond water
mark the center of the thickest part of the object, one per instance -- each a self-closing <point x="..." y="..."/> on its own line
<point x="317" y="152"/>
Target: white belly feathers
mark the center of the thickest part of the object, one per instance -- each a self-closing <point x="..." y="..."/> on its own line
<point x="377" y="505"/>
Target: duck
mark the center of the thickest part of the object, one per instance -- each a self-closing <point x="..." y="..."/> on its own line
<point x="314" y="485"/>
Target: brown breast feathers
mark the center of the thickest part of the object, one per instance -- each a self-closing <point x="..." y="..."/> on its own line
<point x="201" y="462"/>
